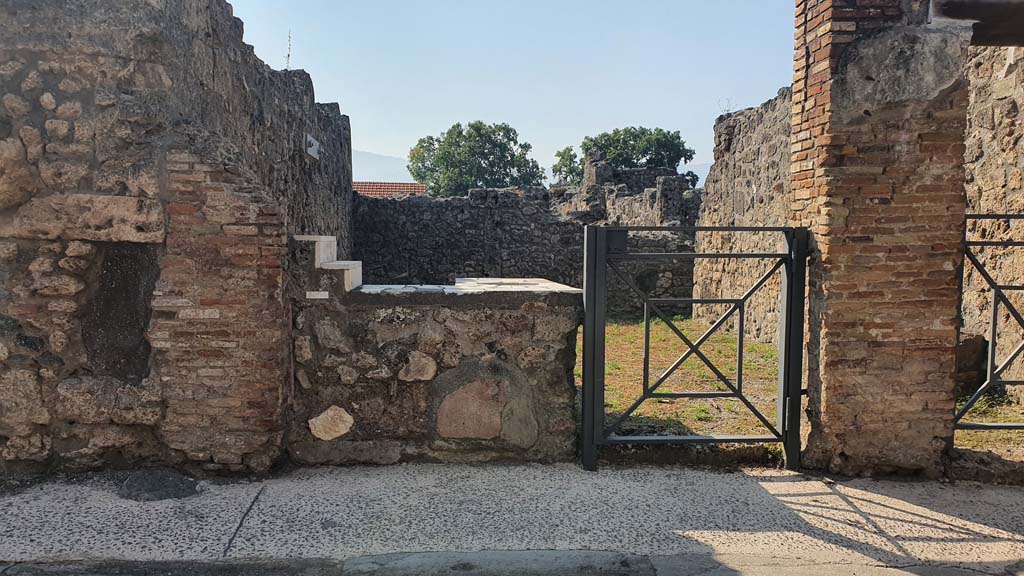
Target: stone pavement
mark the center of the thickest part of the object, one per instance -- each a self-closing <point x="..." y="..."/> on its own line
<point x="456" y="519"/>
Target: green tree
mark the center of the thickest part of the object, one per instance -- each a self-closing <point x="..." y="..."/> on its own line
<point x="477" y="155"/>
<point x="568" y="169"/>
<point x="632" y="147"/>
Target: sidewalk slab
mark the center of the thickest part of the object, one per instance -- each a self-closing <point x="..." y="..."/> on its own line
<point x="275" y="568"/>
<point x="665" y="514"/>
<point x="88" y="520"/>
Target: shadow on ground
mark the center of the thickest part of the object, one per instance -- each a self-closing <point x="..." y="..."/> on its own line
<point x="747" y="522"/>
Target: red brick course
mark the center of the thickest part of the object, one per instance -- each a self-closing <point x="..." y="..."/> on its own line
<point x="219" y="327"/>
<point x="882" y="190"/>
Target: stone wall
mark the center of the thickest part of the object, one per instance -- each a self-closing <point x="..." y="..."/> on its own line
<point x="489" y="233"/>
<point x="748" y="185"/>
<point x="995" y="185"/>
<point x="526" y="233"/>
<point x="150" y="169"/>
<point x="879" y="114"/>
<point x="441" y="373"/>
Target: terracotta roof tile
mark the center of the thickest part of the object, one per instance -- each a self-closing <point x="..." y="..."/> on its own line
<point x="389" y="189"/>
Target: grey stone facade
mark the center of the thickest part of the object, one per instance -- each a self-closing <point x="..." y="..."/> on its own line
<point x="748" y="186"/>
<point x="995" y="184"/>
<point x="489" y="233"/>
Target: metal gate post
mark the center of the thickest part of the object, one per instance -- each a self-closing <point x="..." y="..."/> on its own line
<point x="791" y="344"/>
<point x="595" y="295"/>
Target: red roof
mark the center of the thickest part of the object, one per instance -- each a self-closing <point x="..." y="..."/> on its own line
<point x="389" y="189"/>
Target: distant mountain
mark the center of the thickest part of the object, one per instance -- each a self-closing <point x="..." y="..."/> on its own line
<point x="367" y="166"/>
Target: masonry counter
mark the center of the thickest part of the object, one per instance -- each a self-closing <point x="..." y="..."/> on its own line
<point x="481" y="370"/>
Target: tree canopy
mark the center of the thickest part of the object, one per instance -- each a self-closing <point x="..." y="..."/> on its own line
<point x="568" y="169"/>
<point x="477" y="155"/>
<point x="632" y="147"/>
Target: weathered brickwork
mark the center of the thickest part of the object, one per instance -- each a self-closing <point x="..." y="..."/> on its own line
<point x="384" y="377"/>
<point x="748" y="185"/>
<point x="219" y="326"/>
<point x="150" y="169"/>
<point x="154" y="311"/>
<point x="879" y="111"/>
<point x="995" y="185"/>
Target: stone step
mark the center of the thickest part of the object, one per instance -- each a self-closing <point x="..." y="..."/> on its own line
<point x="342" y="264"/>
<point x="325" y="257"/>
<point x="353" y="277"/>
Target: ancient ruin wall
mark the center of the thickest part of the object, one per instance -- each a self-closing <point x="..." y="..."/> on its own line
<point x="995" y="185"/>
<point x="489" y="233"/>
<point x="424" y="375"/>
<point x="525" y="233"/>
<point x="150" y="169"/>
<point x="748" y="185"/>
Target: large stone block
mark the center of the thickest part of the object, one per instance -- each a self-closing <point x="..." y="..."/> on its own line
<point x="88" y="217"/>
<point x="17" y="182"/>
<point x="21" y="401"/>
<point x="332" y="423"/>
<point x="92" y="400"/>
<point x="473" y="411"/>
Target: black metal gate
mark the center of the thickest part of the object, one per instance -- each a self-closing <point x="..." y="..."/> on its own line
<point x="606" y="249"/>
<point x="995" y="368"/>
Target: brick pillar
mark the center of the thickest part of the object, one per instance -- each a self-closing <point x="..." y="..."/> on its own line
<point x="220" y="324"/>
<point x="879" y="111"/>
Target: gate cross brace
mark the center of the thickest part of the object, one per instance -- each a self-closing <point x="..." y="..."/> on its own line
<point x="998" y="296"/>
<point x="692" y="348"/>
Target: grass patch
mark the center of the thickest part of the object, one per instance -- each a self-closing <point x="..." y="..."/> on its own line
<point x="624" y="366"/>
<point x="700" y="413"/>
<point x="624" y="376"/>
<point x="995" y="406"/>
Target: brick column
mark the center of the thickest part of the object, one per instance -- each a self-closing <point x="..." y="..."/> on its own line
<point x="220" y="324"/>
<point x="879" y="111"/>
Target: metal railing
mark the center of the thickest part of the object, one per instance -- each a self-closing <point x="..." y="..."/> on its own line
<point x="605" y="250"/>
<point x="994" y="368"/>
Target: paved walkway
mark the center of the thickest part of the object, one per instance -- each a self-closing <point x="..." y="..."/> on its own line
<point x="667" y="520"/>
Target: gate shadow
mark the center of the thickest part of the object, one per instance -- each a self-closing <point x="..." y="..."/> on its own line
<point x="721" y="456"/>
<point x="913" y="525"/>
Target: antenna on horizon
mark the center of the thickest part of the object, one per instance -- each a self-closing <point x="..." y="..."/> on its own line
<point x="288" y="57"/>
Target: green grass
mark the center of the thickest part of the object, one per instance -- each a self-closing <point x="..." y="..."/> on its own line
<point x="700" y="413"/>
<point x="624" y="377"/>
<point x="995" y="406"/>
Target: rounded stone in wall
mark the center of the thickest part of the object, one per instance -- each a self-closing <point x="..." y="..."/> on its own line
<point x="419" y="367"/>
<point x="332" y="423"/>
<point x="473" y="411"/>
<point x="17" y="183"/>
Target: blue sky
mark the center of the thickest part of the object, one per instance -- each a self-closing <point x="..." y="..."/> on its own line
<point x="556" y="70"/>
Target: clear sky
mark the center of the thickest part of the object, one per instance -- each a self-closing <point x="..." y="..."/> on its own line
<point x="556" y="70"/>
